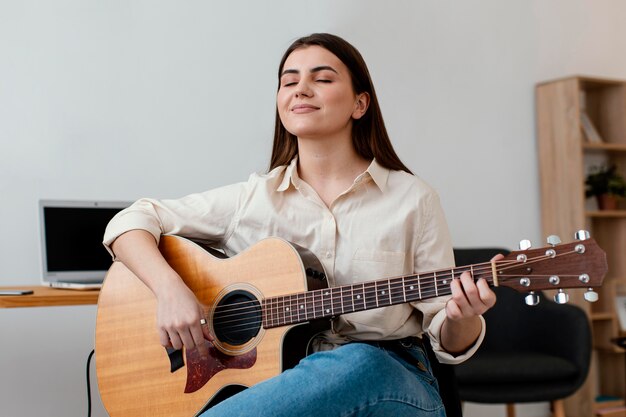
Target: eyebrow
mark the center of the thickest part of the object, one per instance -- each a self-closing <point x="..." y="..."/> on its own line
<point x="313" y="70"/>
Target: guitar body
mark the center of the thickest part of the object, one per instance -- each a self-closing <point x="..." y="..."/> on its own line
<point x="134" y="371"/>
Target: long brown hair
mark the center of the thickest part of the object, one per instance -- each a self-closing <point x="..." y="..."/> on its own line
<point x="369" y="135"/>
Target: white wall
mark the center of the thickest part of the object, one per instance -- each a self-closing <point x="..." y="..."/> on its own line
<point x="120" y="99"/>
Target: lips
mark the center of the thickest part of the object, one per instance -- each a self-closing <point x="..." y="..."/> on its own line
<point x="304" y="108"/>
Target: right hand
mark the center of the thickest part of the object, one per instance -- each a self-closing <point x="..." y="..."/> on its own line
<point x="178" y="319"/>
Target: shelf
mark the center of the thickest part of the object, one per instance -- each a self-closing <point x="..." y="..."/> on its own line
<point x="612" y="147"/>
<point x="606" y="214"/>
<point x="602" y="316"/>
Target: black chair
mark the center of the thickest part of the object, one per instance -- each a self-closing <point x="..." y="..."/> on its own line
<point x="530" y="354"/>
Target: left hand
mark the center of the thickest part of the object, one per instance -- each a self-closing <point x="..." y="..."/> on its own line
<point x="469" y="298"/>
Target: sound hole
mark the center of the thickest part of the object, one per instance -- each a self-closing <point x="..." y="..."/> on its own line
<point x="237" y="318"/>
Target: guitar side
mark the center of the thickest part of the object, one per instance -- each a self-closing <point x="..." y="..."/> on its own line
<point x="133" y="369"/>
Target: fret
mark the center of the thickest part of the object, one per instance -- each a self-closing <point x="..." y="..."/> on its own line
<point x="403" y="289"/>
<point x="436" y="284"/>
<point x="396" y="290"/>
<point x="310" y="304"/>
<point x="347" y="299"/>
<point x="267" y="313"/>
<point x="318" y="306"/>
<point x="382" y="294"/>
<point x="287" y="309"/>
<point x="419" y="287"/>
<point x="370" y="298"/>
<point x="302" y="316"/>
<point x="326" y="302"/>
<point x="280" y="316"/>
<point x="358" y="297"/>
<point x="264" y="321"/>
<point x="293" y="308"/>
<point x="341" y="298"/>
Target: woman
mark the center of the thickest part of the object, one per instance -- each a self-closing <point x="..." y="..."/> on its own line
<point x="337" y="187"/>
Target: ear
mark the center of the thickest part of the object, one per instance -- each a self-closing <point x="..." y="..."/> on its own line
<point x="361" y="105"/>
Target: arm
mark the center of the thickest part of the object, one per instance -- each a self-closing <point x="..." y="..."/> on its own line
<point x="178" y="310"/>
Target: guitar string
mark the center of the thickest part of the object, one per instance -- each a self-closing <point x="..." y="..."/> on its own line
<point x="431" y="277"/>
<point x="275" y="310"/>
<point x="291" y="318"/>
<point x="367" y="286"/>
<point x="478" y="268"/>
<point x="336" y="303"/>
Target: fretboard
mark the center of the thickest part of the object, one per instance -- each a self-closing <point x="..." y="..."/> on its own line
<point x="331" y="302"/>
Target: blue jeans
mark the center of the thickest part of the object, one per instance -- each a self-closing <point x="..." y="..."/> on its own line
<point x="354" y="380"/>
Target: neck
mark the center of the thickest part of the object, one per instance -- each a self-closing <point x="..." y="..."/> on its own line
<point x="329" y="160"/>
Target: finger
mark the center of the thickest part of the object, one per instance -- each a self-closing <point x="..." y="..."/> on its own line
<point x="187" y="338"/>
<point x="459" y="298"/>
<point x="453" y="311"/>
<point x="198" y="338"/>
<point x="486" y="293"/>
<point x="497" y="257"/>
<point x="206" y="332"/>
<point x="175" y="340"/>
<point x="164" y="338"/>
<point x="471" y="293"/>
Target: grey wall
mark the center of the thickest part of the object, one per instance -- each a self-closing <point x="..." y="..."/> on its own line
<point x="121" y="99"/>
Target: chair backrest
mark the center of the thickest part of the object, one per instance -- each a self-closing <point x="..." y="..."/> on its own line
<point x="514" y="327"/>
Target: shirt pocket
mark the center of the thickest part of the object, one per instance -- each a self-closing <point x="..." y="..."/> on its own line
<point x="370" y="265"/>
<point x="373" y="264"/>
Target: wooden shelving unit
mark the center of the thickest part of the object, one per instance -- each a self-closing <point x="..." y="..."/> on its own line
<point x="565" y="155"/>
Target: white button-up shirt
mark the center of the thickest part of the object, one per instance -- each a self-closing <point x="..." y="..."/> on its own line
<point x="387" y="224"/>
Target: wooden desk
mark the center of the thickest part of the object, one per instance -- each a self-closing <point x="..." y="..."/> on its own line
<point x="48" y="297"/>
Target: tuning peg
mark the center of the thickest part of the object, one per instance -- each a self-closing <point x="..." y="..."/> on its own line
<point x="582" y="235"/>
<point x="531" y="299"/>
<point x="525" y="244"/>
<point x="590" y="295"/>
<point x="561" y="297"/>
<point x="553" y="240"/>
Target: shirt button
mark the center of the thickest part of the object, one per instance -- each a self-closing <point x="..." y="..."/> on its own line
<point x="329" y="254"/>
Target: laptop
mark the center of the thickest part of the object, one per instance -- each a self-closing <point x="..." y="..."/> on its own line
<point x="72" y="253"/>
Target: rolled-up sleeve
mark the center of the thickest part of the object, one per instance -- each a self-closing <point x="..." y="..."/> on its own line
<point x="209" y="216"/>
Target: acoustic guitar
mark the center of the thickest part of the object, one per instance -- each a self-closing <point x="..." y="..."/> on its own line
<point x="262" y="306"/>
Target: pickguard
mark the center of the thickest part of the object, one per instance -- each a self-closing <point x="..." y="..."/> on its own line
<point x="201" y="370"/>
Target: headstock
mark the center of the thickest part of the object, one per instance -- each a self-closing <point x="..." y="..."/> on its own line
<point x="578" y="264"/>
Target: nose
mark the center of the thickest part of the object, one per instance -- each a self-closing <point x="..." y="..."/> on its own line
<point x="303" y="89"/>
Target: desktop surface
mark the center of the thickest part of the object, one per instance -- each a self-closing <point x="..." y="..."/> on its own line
<point x="47" y="297"/>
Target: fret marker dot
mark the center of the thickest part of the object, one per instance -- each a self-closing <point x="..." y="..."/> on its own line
<point x="445" y="281"/>
<point x="411" y="287"/>
<point x="327" y="310"/>
<point x="382" y="292"/>
<point x="287" y="309"/>
<point x="301" y="306"/>
<point x="326" y="293"/>
<point x="358" y="297"/>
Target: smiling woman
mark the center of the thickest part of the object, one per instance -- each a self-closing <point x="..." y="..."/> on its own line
<point x="336" y="187"/>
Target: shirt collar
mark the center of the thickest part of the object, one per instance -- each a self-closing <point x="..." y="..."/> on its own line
<point x="378" y="173"/>
<point x="290" y="176"/>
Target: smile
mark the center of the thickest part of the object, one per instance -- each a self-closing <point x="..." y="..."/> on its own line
<point x="304" y="108"/>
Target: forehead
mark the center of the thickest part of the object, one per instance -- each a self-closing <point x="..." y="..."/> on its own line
<point x="313" y="56"/>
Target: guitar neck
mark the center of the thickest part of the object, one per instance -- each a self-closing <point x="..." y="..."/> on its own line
<point x="331" y="302"/>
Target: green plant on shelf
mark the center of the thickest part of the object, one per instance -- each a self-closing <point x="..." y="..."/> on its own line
<point x="607" y="185"/>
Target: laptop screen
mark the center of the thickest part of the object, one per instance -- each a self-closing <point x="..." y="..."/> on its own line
<point x="71" y="234"/>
